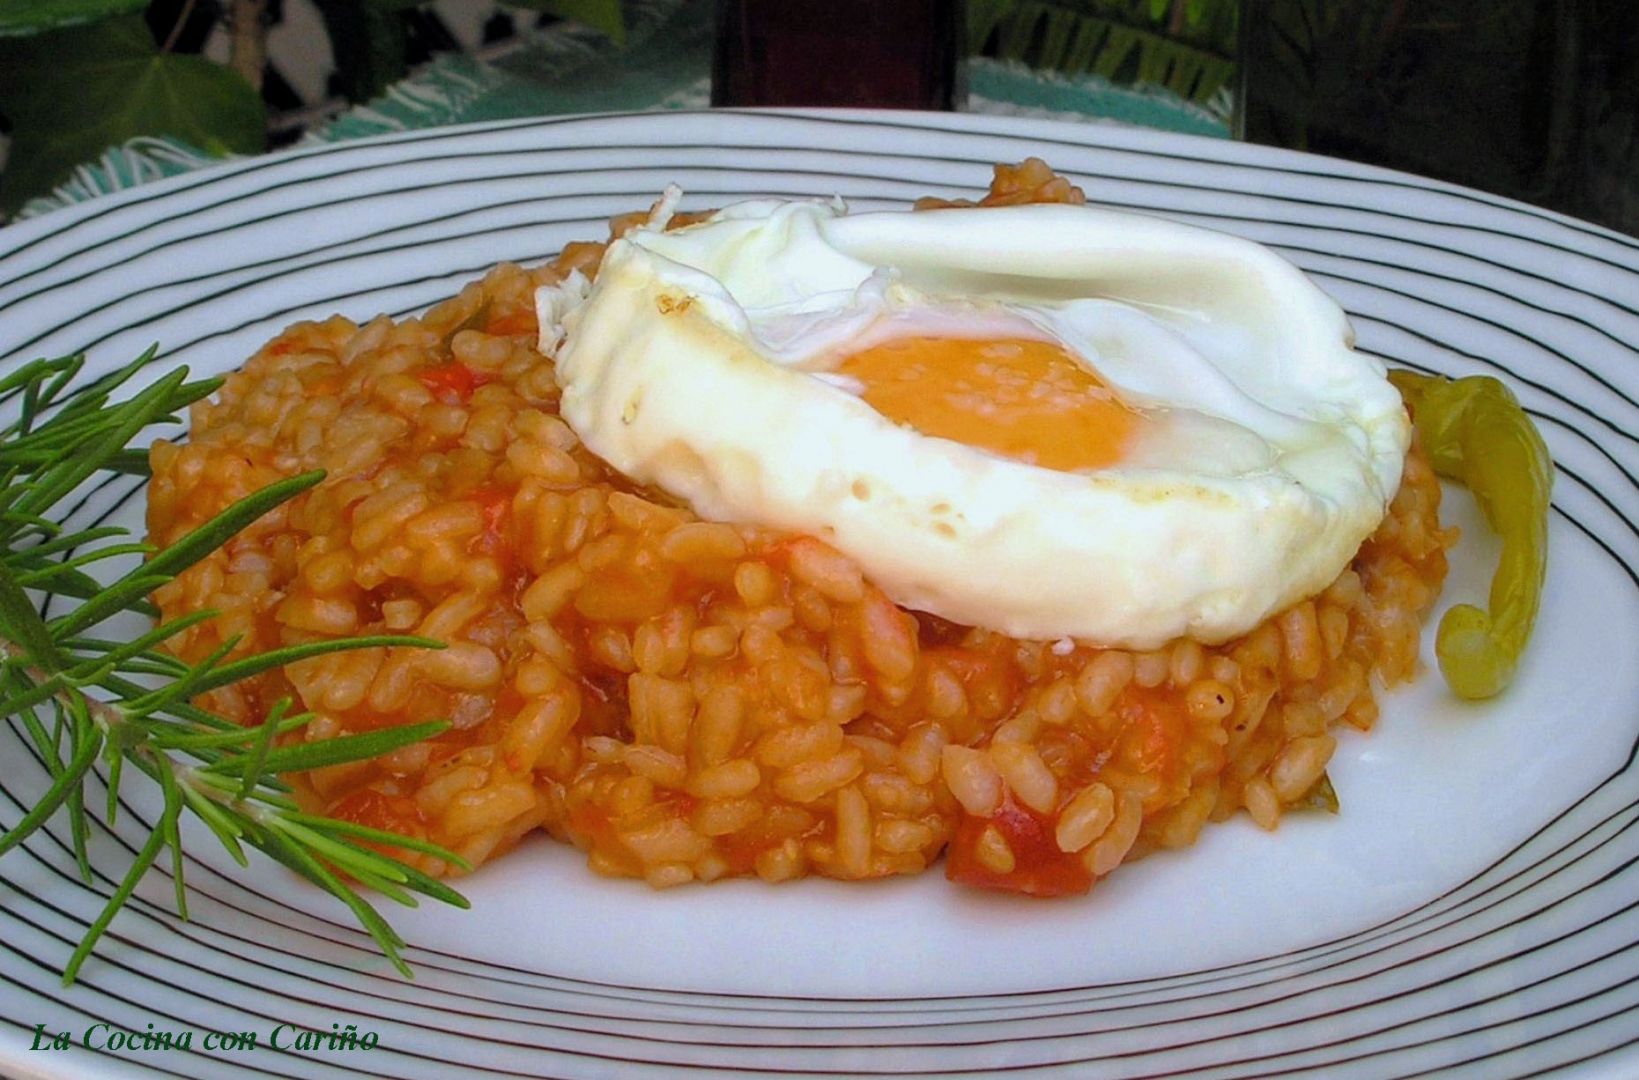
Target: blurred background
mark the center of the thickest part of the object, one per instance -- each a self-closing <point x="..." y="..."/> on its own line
<point x="1534" y="99"/>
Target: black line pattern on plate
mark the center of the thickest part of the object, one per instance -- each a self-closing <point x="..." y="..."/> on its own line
<point x="299" y="181"/>
<point x="312" y="265"/>
<point x="1300" y="961"/>
<point x="640" y="194"/>
<point x="1215" y="151"/>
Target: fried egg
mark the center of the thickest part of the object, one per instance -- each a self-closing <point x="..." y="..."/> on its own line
<point x="1051" y="421"/>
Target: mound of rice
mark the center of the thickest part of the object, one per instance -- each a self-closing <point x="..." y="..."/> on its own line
<point x="687" y="700"/>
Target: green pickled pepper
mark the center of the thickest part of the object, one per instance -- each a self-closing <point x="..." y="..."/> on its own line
<point x="1476" y="433"/>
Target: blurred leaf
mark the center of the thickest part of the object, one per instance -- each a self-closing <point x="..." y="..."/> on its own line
<point x="71" y="94"/>
<point x="368" y="40"/>
<point x="31" y="16"/>
<point x="1060" y="28"/>
<point x="983" y="16"/>
<point x="604" y="15"/>
<point x="1120" y="40"/>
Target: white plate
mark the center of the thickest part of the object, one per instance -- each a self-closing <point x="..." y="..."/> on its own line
<point x="1475" y="907"/>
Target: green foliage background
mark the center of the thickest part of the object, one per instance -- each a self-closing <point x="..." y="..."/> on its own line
<point x="1187" y="46"/>
<point x="80" y="76"/>
<point x="31" y="16"/>
<point x="71" y="93"/>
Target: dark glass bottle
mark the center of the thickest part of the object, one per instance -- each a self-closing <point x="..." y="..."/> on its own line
<point x="867" y="53"/>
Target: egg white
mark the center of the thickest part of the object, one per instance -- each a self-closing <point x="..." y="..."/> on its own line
<point x="698" y="362"/>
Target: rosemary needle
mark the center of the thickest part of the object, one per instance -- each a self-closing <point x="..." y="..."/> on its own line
<point x="79" y="698"/>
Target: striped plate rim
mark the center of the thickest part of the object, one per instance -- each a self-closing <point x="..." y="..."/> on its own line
<point x="1530" y="965"/>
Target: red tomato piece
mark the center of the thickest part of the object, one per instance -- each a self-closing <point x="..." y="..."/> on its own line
<point x="495" y="503"/>
<point x="991" y="680"/>
<point x="1153" y="728"/>
<point x="374" y="810"/>
<point x="452" y="383"/>
<point x="1039" y="867"/>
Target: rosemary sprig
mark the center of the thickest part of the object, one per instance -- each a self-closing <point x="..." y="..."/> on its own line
<point x="80" y="698"/>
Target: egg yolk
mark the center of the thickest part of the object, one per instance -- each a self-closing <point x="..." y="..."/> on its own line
<point x="1027" y="400"/>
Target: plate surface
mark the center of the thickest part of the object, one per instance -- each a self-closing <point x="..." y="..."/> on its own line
<point x="1475" y="908"/>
